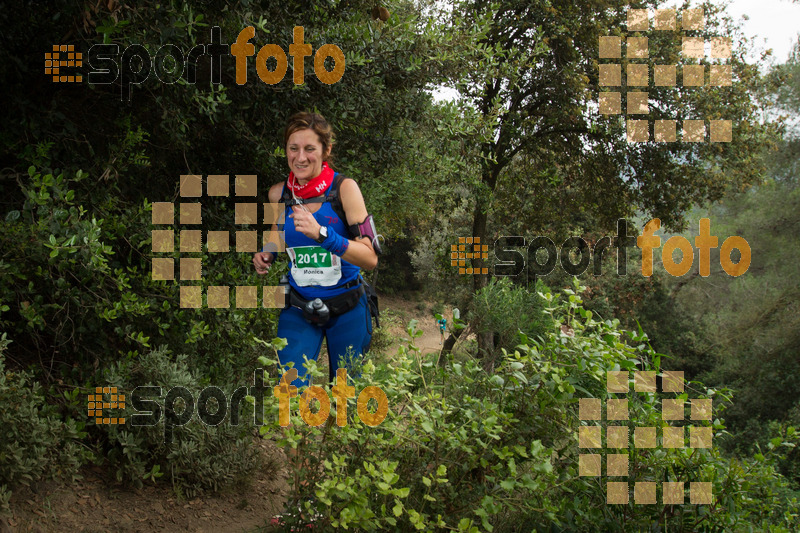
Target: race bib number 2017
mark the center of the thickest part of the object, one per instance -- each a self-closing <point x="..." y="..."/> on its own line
<point x="313" y="265"/>
<point x="311" y="258"/>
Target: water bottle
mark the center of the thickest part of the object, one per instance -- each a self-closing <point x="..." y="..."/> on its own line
<point x="318" y="310"/>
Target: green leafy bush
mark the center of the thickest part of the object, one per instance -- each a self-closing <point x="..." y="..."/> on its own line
<point x="465" y="450"/>
<point x="200" y="457"/>
<point x="71" y="284"/>
<point x="382" y="339"/>
<point x="506" y="310"/>
<point x="79" y="310"/>
<point x="35" y="443"/>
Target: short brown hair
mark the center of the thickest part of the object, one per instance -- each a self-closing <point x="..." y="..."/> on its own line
<point x="311" y="121"/>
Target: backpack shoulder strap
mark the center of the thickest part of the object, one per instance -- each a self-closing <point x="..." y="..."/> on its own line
<point x="286" y="194"/>
<point x="331" y="197"/>
<point x="336" y="201"/>
<point x="333" y="193"/>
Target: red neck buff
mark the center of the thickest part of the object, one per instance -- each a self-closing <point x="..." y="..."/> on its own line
<point x="315" y="186"/>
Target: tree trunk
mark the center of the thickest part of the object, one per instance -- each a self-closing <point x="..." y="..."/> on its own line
<point x="480" y="219"/>
<point x="448" y="346"/>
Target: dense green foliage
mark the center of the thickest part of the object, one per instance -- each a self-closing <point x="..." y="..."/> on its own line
<point x="36" y="443"/>
<point x="750" y="324"/>
<point x="472" y="450"/>
<point x="483" y="438"/>
<point x="506" y="311"/>
<point x="197" y="456"/>
<point x="82" y="167"/>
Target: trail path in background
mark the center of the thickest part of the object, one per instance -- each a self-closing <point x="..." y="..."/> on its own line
<point x="98" y="503"/>
<point x="406" y="310"/>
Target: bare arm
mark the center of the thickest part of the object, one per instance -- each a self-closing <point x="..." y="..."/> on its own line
<point x="263" y="260"/>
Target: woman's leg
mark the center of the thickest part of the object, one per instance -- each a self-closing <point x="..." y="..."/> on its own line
<point x="303" y="339"/>
<point x="350" y="332"/>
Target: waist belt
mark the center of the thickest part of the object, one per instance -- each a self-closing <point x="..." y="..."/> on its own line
<point x="337" y="305"/>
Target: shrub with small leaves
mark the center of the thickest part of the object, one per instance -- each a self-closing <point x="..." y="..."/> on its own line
<point x="199" y="457"/>
<point x="35" y="442"/>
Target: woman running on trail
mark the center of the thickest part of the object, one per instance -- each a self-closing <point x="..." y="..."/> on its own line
<point x="329" y="238"/>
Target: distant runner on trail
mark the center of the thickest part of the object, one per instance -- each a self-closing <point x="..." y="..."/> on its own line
<point x="442" y="326"/>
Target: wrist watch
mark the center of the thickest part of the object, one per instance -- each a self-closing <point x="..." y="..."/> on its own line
<point x="323" y="234"/>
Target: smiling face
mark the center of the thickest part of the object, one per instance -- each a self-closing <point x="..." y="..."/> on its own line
<point x="305" y="155"/>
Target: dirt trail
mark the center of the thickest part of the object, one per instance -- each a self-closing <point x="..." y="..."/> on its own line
<point x="97" y="503"/>
<point x="405" y="311"/>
